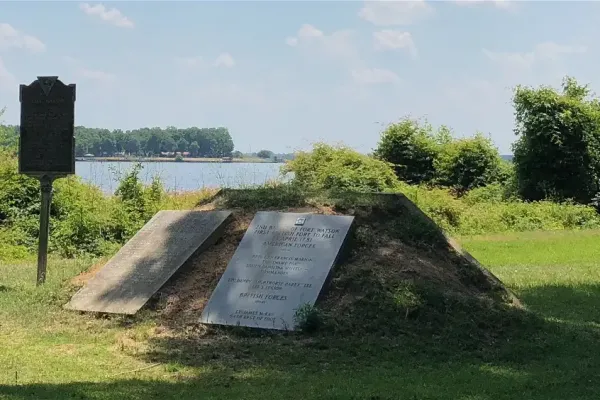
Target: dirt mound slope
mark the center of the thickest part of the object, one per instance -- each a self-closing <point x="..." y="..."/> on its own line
<point x="401" y="273"/>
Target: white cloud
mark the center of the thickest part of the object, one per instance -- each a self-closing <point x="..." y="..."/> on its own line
<point x="96" y="75"/>
<point x="553" y="51"/>
<point x="503" y="4"/>
<point x="309" y="31"/>
<point x="336" y="44"/>
<point x="86" y="73"/>
<point x="543" y="52"/>
<point x="7" y="79"/>
<point x="371" y="76"/>
<point x="233" y="94"/>
<point x="394" y="40"/>
<point x="386" y="13"/>
<point x="511" y="60"/>
<point x="190" y="62"/>
<point x="224" y="60"/>
<point x="291" y="41"/>
<point x="111" y="16"/>
<point x="12" y="38"/>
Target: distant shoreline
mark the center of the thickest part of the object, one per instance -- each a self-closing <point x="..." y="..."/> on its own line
<point x="173" y="160"/>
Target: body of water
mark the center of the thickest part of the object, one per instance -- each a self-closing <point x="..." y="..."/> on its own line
<point x="180" y="176"/>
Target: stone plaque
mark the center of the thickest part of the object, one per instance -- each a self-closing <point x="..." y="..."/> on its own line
<point x="46" y="142"/>
<point x="148" y="260"/>
<point x="281" y="264"/>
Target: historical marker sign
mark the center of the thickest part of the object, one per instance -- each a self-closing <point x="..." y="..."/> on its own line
<point x="148" y="260"/>
<point x="47" y="143"/>
<point x="281" y="264"/>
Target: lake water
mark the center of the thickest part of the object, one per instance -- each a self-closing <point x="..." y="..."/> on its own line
<point x="180" y="176"/>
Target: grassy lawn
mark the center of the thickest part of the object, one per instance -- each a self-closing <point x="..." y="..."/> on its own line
<point x="48" y="353"/>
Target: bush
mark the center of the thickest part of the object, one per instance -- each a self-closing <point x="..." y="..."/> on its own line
<point x="264" y="154"/>
<point x="487" y="210"/>
<point x="491" y="194"/>
<point x="19" y="195"/>
<point x="83" y="221"/>
<point x="137" y="203"/>
<point x="469" y="163"/>
<point x="412" y="148"/>
<point x="557" y="153"/>
<point x="340" y="168"/>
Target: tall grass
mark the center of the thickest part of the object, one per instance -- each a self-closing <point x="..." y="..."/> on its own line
<point x="480" y="213"/>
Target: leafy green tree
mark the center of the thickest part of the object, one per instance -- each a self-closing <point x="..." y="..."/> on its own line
<point x="264" y="154"/>
<point x="412" y="147"/>
<point x="182" y="145"/>
<point x="132" y="145"/>
<point x="557" y="153"/>
<point x="153" y="144"/>
<point x="194" y="148"/>
<point x="209" y="142"/>
<point x="168" y="144"/>
<point x="468" y="163"/>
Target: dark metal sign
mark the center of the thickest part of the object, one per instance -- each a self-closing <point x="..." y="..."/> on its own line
<point x="46" y="145"/>
<point x="46" y="142"/>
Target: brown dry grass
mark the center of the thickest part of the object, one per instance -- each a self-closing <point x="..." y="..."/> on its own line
<point x="85" y="276"/>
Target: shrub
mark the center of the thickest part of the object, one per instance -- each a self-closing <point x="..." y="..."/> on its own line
<point x="19" y="194"/>
<point x="308" y="318"/>
<point x="328" y="167"/>
<point x="439" y="205"/>
<point x="412" y="148"/>
<point x="82" y="219"/>
<point x="488" y="210"/>
<point x="557" y="153"/>
<point x="14" y="244"/>
<point x="264" y="154"/>
<point x="137" y="203"/>
<point x="491" y="194"/>
<point x="469" y="163"/>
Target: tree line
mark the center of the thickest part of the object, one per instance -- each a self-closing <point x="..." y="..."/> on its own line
<point x="198" y="142"/>
<point x="556" y="152"/>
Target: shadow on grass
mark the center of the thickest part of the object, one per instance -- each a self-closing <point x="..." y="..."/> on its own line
<point x="577" y="304"/>
<point x="552" y="360"/>
<point x="276" y="367"/>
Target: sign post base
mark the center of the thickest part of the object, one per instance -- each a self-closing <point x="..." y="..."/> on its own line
<point x="46" y="186"/>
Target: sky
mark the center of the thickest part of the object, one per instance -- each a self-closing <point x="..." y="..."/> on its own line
<point x="282" y="75"/>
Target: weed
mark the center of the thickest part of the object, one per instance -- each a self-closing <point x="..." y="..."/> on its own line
<point x="308" y="318"/>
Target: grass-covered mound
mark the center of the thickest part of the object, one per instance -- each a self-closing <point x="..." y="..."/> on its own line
<point x="400" y="277"/>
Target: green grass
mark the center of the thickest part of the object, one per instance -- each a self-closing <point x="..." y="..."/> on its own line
<point x="49" y="353"/>
<point x="556" y="274"/>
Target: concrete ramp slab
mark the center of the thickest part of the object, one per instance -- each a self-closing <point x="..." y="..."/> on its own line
<point x="147" y="261"/>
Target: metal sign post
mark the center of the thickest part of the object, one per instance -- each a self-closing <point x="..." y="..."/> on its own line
<point x="46" y="145"/>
